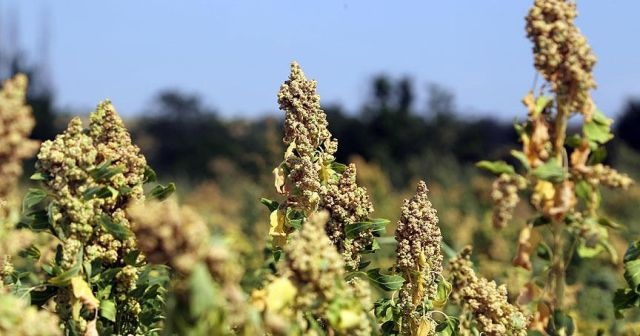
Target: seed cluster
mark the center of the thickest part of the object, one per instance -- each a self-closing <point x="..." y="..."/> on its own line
<point x="90" y="175"/>
<point x="16" y="123"/>
<point x="307" y="176"/>
<point x="504" y="195"/>
<point x="71" y="163"/>
<point x="20" y="319"/>
<point x="308" y="138"/>
<point x="485" y="300"/>
<point x="311" y="281"/>
<point x="348" y="204"/>
<point x="168" y="234"/>
<point x="418" y="254"/>
<point x="561" y="52"/>
<point x="313" y="260"/>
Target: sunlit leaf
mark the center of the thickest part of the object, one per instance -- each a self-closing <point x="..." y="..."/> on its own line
<point x="496" y="167"/>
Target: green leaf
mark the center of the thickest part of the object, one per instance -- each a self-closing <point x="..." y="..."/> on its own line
<point x="632" y="274"/>
<point x="624" y="299"/>
<point x="37" y="221"/>
<point x="99" y="192"/>
<point x="521" y="157"/>
<point x="203" y="293"/>
<point x="40" y="297"/>
<point x="448" y="327"/>
<point x="633" y="252"/>
<point x="385" y="282"/>
<point x="586" y="251"/>
<point x="105" y="171"/>
<point x="496" y="167"/>
<point x="363" y="264"/>
<point x="561" y="324"/>
<point x="270" y="204"/>
<point x="64" y="278"/>
<point x="609" y="223"/>
<point x="33" y="198"/>
<point x="118" y="230"/>
<point x="149" y="175"/>
<point x="574" y="141"/>
<point x="338" y="167"/>
<point x="584" y="190"/>
<point x="598" y="130"/>
<point x="543" y="251"/>
<point x="442" y="293"/>
<point x="38" y="176"/>
<point x="31" y="252"/>
<point x="376" y="226"/>
<point x="372" y="247"/>
<point x="161" y="192"/>
<point x="542" y="103"/>
<point x="108" y="310"/>
<point x="550" y="171"/>
<point x="448" y="250"/>
<point x="598" y="155"/>
<point x="131" y="258"/>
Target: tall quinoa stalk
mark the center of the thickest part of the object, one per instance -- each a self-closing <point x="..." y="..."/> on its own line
<point x="562" y="172"/>
<point x="98" y="278"/>
<point x="311" y="180"/>
<point x="16" y="123"/>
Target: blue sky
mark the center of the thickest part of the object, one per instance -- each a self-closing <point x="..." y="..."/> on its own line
<point x="236" y="53"/>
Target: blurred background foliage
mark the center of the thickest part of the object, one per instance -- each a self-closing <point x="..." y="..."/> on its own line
<point x="223" y="166"/>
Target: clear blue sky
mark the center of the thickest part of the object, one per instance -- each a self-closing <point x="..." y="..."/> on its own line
<point x="236" y="53"/>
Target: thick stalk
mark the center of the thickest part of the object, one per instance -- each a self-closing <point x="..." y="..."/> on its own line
<point x="560" y="132"/>
<point x="558" y="266"/>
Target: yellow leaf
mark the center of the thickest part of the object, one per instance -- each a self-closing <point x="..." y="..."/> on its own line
<point x="348" y="319"/>
<point x="545" y="189"/>
<point x="425" y="328"/>
<point x="280" y="294"/>
<point x="276" y="229"/>
<point x="279" y="176"/>
<point x="290" y="149"/>
<point x="82" y="292"/>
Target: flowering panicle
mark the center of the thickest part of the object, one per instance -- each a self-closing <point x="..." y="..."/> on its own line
<point x="348" y="204"/>
<point x="504" y="195"/>
<point x="309" y="177"/>
<point x="562" y="54"/>
<point x="168" y="234"/>
<point x="79" y="168"/>
<point x="311" y="289"/>
<point x="310" y="145"/>
<point x="485" y="300"/>
<point x="90" y="175"/>
<point x="179" y="238"/>
<point x="418" y="254"/>
<point x="21" y="319"/>
<point x="16" y="123"/>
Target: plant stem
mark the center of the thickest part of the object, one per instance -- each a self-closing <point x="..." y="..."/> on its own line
<point x="558" y="268"/>
<point x="560" y="132"/>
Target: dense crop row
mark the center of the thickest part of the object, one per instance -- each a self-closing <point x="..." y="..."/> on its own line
<point x="102" y="248"/>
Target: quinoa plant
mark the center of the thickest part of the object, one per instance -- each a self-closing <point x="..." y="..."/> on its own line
<point x="204" y="296"/>
<point x="99" y="281"/>
<point x="16" y="122"/>
<point x="310" y="179"/>
<point x="561" y="172"/>
<point x="322" y="231"/>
